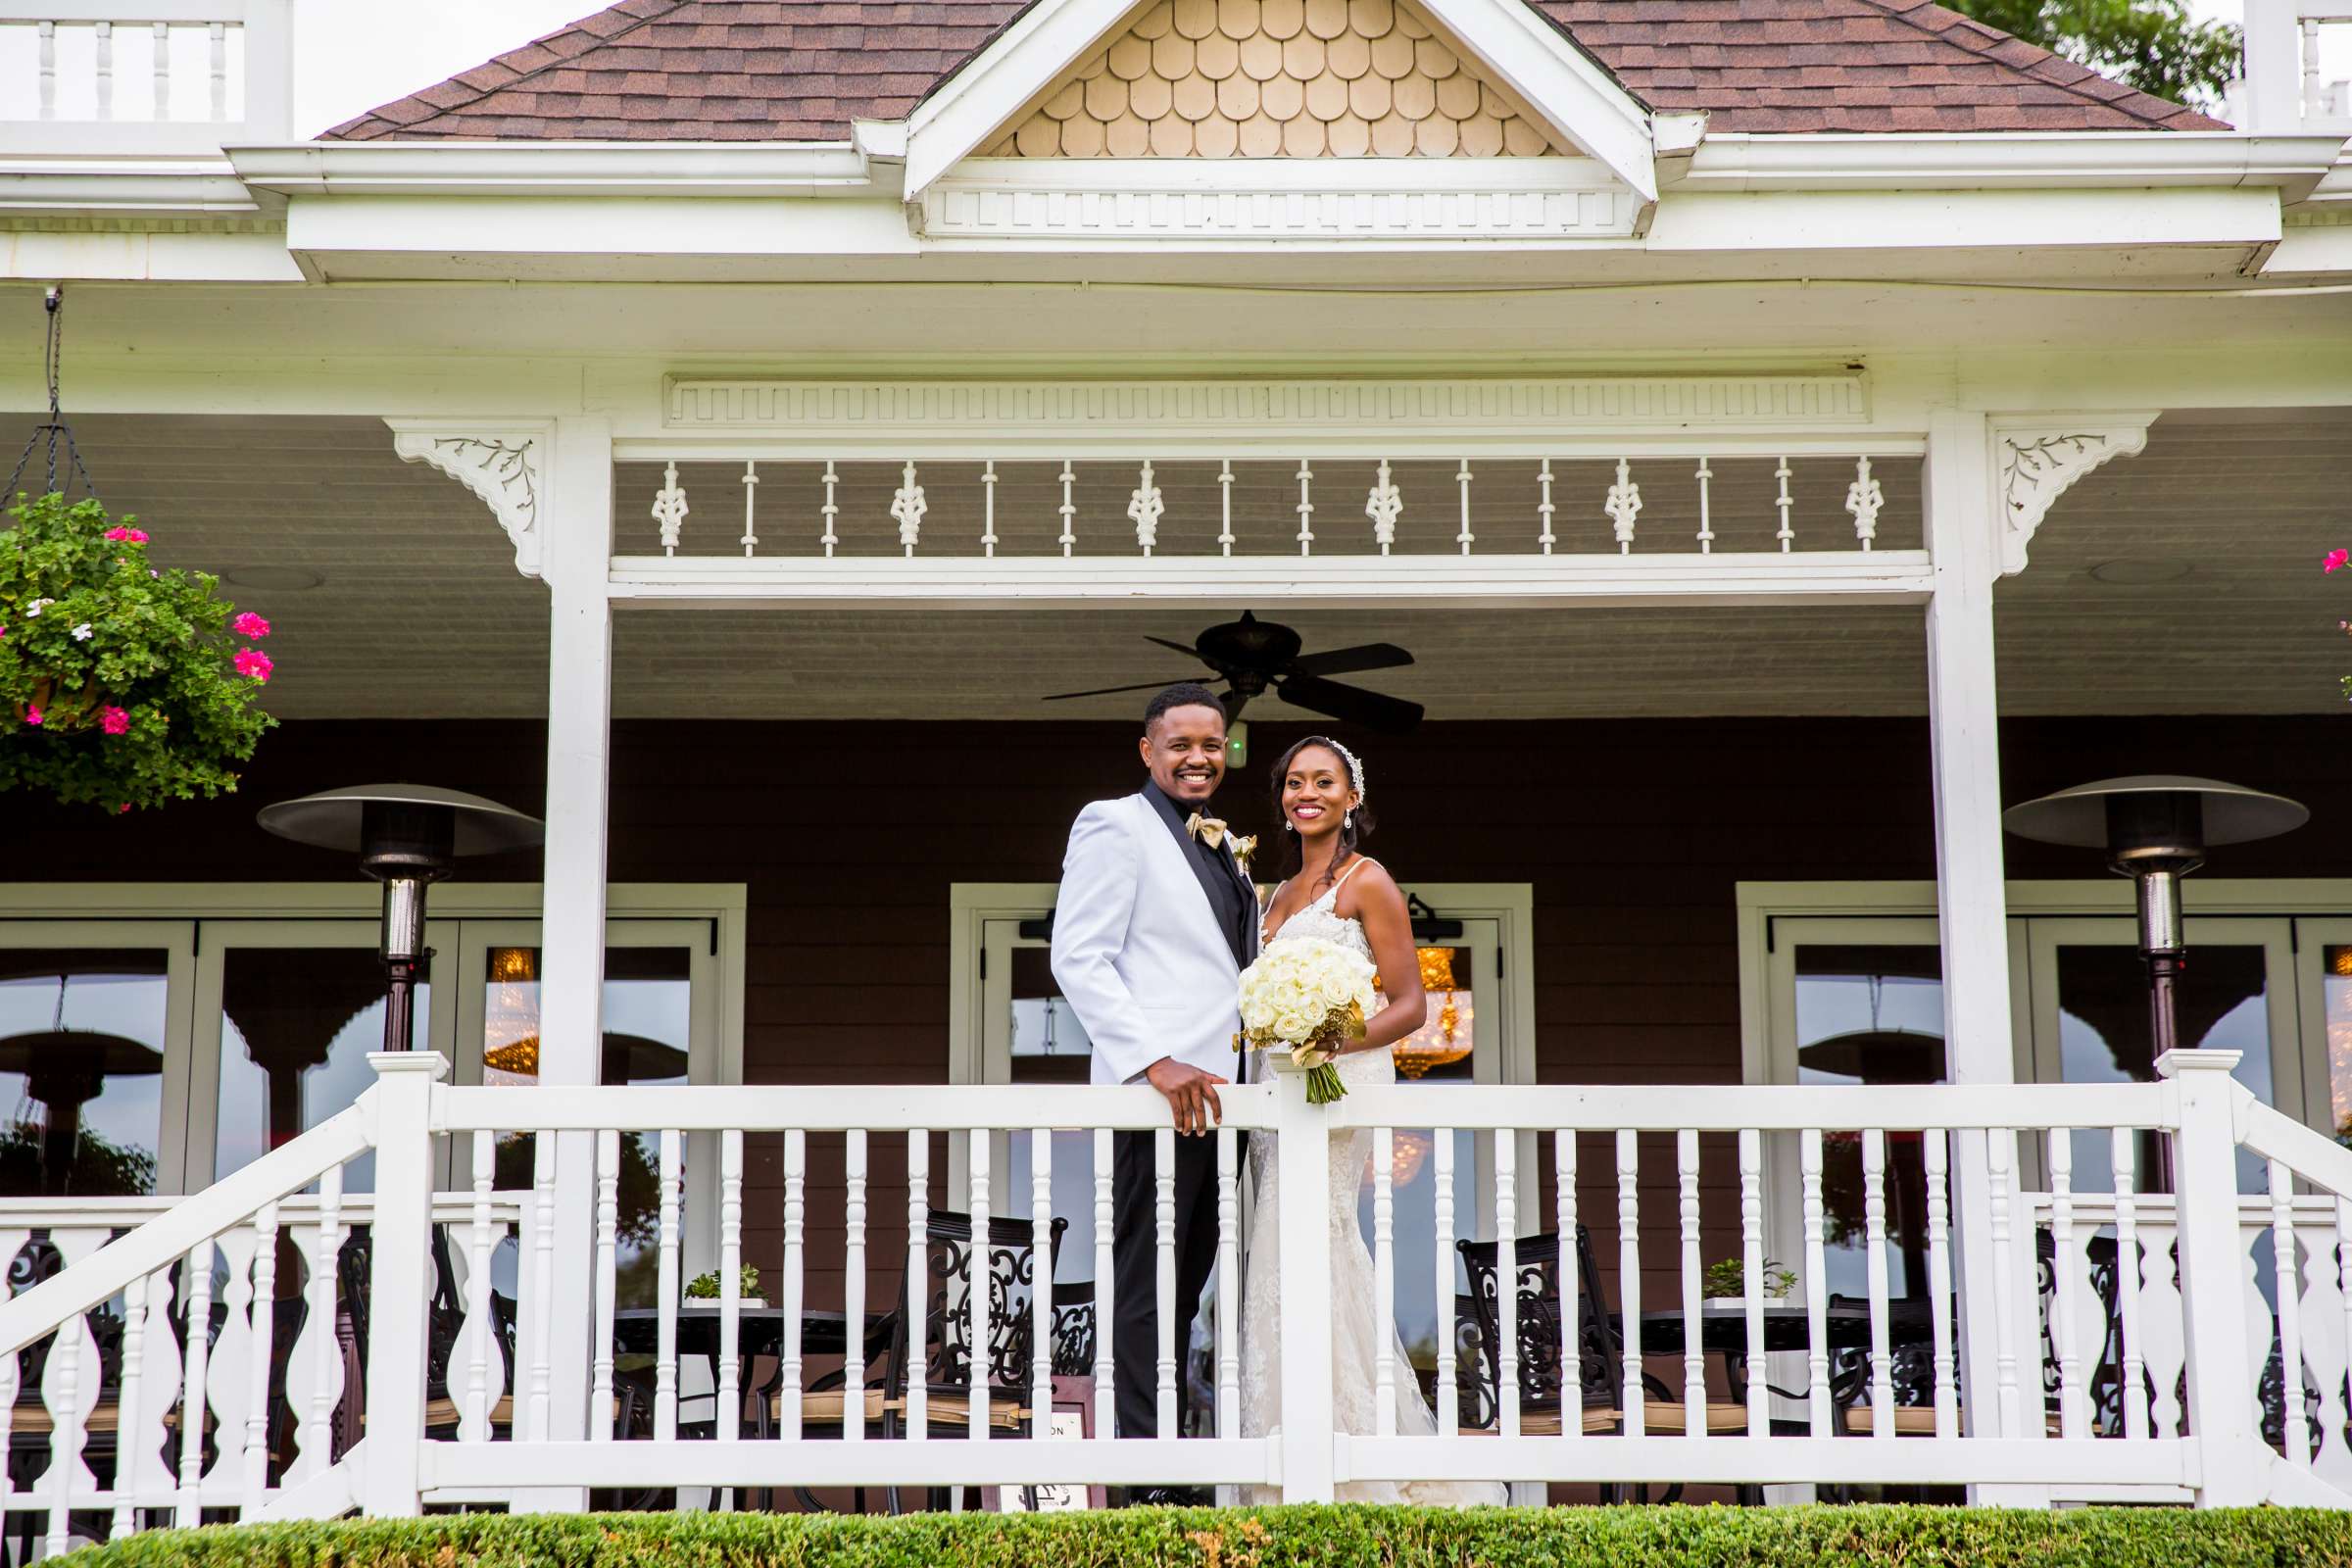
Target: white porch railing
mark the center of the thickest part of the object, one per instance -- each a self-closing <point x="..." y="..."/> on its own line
<point x="2287" y="85"/>
<point x="149" y="79"/>
<point x="2120" y="1373"/>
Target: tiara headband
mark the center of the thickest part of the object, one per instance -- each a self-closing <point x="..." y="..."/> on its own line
<point x="1355" y="772"/>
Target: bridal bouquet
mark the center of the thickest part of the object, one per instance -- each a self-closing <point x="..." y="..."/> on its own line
<point x="1307" y="997"/>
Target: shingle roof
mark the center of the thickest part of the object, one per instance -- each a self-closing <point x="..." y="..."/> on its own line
<point x="802" y="70"/>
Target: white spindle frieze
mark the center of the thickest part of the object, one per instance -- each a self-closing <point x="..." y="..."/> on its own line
<point x="1146" y="505"/>
<point x="1623" y="506"/>
<point x="1384" y="506"/>
<point x="669" y="509"/>
<point x="1865" y="499"/>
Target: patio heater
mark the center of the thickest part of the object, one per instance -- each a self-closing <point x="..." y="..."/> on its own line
<point x="2156" y="828"/>
<point x="408" y="837"/>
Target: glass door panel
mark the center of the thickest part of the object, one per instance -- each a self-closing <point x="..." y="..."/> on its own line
<point x="83" y="1044"/>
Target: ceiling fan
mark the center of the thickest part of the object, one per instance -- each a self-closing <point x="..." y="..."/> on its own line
<point x="1254" y="657"/>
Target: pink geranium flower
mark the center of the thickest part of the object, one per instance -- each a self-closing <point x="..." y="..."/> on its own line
<point x="32" y="716"/>
<point x="124" y="806"/>
<point x="127" y="536"/>
<point x="250" y="625"/>
<point x="253" y="661"/>
<point x="2335" y="559"/>
<point x="115" y="720"/>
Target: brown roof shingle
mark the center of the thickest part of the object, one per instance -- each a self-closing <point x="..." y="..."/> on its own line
<point x="802" y="70"/>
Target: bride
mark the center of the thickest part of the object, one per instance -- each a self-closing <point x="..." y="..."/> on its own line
<point x="1337" y="896"/>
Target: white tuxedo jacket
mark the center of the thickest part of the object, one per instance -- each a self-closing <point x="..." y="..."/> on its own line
<point x="1137" y="949"/>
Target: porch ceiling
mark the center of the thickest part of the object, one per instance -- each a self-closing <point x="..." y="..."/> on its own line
<point x="420" y="611"/>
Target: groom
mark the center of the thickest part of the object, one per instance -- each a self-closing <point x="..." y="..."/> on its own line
<point x="1155" y="921"/>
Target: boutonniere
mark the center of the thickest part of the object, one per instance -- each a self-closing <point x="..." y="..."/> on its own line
<point x="1244" y="844"/>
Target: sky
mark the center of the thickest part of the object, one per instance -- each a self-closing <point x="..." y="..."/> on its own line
<point x="357" y="53"/>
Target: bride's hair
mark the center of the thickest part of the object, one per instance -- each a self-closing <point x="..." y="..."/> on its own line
<point x="1357" y="826"/>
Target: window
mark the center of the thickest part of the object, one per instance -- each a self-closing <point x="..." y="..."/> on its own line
<point x="83" y="1044"/>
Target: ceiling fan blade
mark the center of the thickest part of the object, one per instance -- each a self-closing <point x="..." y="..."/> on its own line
<point x="1107" y="691"/>
<point x="1186" y="648"/>
<point x="1388" y="715"/>
<point x="1348" y="660"/>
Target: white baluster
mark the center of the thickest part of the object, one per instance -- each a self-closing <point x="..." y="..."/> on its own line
<point x="1695" y="1349"/>
<point x="1306" y="508"/>
<point x="1544" y="541"/>
<point x="129" y="1460"/>
<point x="162" y="33"/>
<point x="1068" y="509"/>
<point x="976" y="1288"/>
<point x="852" y="1285"/>
<point x="319" y="1327"/>
<point x="216" y="63"/>
<point x="2124" y="1164"/>
<point x="1623" y="506"/>
<point x="1146" y="505"/>
<point x="666" y="1296"/>
<point x="787" y="1363"/>
<point x="48" y="69"/>
<point x="2000" y="1159"/>
<point x="473" y="1425"/>
<point x="1384" y="1281"/>
<point x="1105" y="1393"/>
<point x="1384" y="506"/>
<point x="1041" y="1275"/>
<point x="1229" y="1285"/>
<point x="1874" y="1211"/>
<point x="751" y="508"/>
<point x="604" y="1411"/>
<point x="2324" y="1353"/>
<point x="830" y="510"/>
<point x="2289" y="1282"/>
<point x="1461" y="477"/>
<point x="1817" y="1294"/>
<point x="2343" y="1285"/>
<point x="1506" y="1273"/>
<point x="104" y="40"/>
<point x="906" y="508"/>
<point x="1569" y="1284"/>
<point x="669" y="508"/>
<point x="730" y="1283"/>
<point x="988" y="511"/>
<point x="230" y="1356"/>
<point x="1933" y="1148"/>
<point x="70" y="1396"/>
<point x="1629" y="1277"/>
<point x="1163" y="1210"/>
<point x="197" y="1271"/>
<point x="919" y="1276"/>
<point x="1225" y="508"/>
<point x="1864" y="499"/>
<point x="2074" y="1404"/>
<point x="1706" y="521"/>
<point x="2161" y="1320"/>
<point x="265" y="1333"/>
<point x="1751" y="1277"/>
<point x="543" y="1286"/>
<point x="1786" y="535"/>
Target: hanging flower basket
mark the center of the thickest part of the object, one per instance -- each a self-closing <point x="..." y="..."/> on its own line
<point x="121" y="685"/>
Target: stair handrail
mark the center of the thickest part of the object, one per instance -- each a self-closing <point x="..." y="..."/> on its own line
<point x="2312" y="1155"/>
<point x="198" y="1217"/>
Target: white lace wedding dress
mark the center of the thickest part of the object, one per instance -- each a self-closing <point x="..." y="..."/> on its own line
<point x="1355" y="1319"/>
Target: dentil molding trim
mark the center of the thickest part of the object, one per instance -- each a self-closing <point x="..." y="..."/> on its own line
<point x="2037" y="458"/>
<point x="918" y="410"/>
<point x="503" y="462"/>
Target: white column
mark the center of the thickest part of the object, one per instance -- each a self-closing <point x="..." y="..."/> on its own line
<point x="575" y="563"/>
<point x="1971" y="896"/>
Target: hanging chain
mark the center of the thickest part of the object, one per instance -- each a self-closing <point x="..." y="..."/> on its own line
<point x="50" y="434"/>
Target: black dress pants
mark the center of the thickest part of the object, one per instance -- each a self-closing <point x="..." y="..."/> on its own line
<point x="1134" y="1263"/>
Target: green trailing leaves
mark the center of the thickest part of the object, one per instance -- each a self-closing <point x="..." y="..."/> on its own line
<point x="121" y="685"/>
<point x="1280" y="1538"/>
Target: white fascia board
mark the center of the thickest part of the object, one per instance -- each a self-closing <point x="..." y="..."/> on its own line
<point x="565" y="169"/>
<point x="587" y="233"/>
<point x="56" y="187"/>
<point x="1042" y="43"/>
<point x="1857" y="220"/>
<point x="2010" y="161"/>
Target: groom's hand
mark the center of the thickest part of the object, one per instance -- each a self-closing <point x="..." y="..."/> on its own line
<point x="1190" y="1093"/>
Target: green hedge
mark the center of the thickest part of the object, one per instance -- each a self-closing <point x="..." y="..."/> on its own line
<point x="1278" y="1538"/>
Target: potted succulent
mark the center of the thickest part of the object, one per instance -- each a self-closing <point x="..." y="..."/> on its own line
<point x="120" y="684"/>
<point x="703" y="1287"/>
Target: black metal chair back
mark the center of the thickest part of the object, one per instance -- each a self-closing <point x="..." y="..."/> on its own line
<point x="1536" y="1305"/>
<point x="939" y="1340"/>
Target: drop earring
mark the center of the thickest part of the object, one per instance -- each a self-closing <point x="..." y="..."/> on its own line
<point x="1348" y="822"/>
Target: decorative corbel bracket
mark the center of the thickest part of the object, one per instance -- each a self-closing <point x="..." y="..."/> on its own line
<point x="503" y="462"/>
<point x="2038" y="457"/>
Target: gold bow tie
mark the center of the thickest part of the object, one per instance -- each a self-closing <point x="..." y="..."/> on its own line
<point x="1208" y="829"/>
